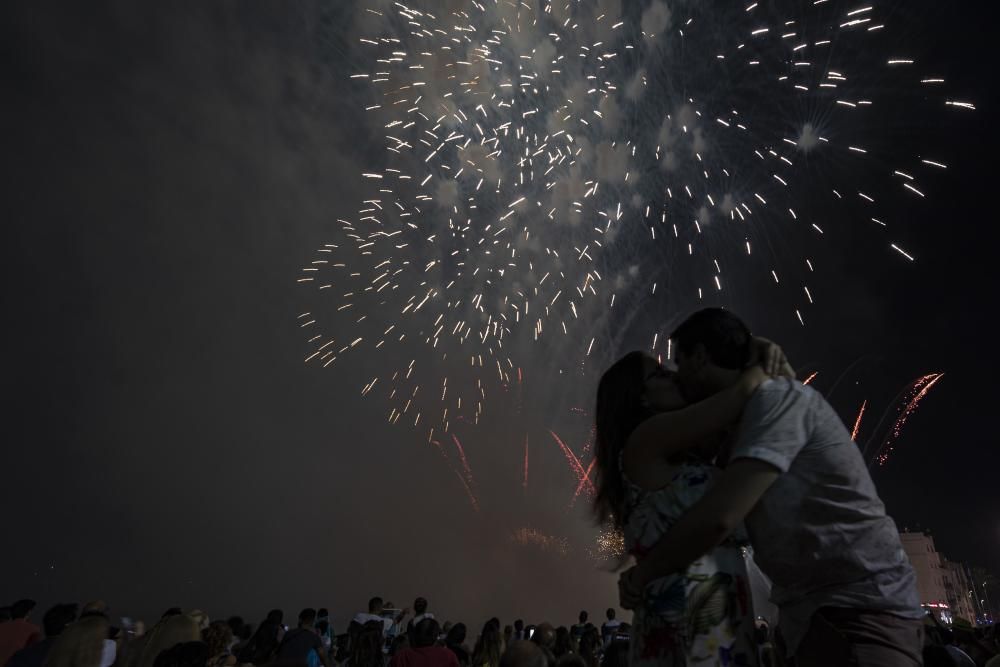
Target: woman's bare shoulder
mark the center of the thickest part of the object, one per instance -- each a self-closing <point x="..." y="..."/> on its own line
<point x="645" y="468"/>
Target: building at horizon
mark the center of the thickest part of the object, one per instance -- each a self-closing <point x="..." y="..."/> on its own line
<point x="930" y="571"/>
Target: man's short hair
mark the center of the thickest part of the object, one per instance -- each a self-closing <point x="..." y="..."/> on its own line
<point x="726" y="338"/>
<point x="21" y="608"/>
<point x="374" y="605"/>
<point x="307" y="616"/>
<point x="57" y="618"/>
<point x="426" y="633"/>
<point x="611" y="613"/>
<point x="420" y="606"/>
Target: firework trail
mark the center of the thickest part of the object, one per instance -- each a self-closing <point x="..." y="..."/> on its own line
<point x="465" y="480"/>
<point x="857" y="421"/>
<point x="585" y="483"/>
<point x="465" y="461"/>
<point x="550" y="163"/>
<point x="473" y="500"/>
<point x="583" y="475"/>
<point x="915" y="392"/>
<point x="524" y="483"/>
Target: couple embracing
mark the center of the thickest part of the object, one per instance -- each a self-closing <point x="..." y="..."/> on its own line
<point x="727" y="453"/>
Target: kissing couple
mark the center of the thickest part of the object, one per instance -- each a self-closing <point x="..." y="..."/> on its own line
<point x="728" y="458"/>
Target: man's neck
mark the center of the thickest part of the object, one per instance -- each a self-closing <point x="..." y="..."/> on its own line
<point x="718" y="379"/>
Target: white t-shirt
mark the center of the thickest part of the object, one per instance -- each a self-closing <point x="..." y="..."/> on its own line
<point x="820" y="533"/>
<point x="608" y="629"/>
<point x="365" y="617"/>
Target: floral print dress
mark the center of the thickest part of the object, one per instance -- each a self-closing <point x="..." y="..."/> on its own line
<point x="701" y="616"/>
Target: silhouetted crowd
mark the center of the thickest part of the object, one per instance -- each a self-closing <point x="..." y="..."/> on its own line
<point x="383" y="636"/>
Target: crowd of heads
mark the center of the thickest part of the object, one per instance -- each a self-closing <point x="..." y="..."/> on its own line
<point x="85" y="636"/>
<point x="960" y="644"/>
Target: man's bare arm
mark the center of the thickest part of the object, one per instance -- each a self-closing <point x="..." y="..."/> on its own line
<point x="709" y="521"/>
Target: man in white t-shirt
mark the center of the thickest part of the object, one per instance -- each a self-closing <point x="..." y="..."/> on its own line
<point x="375" y="609"/>
<point x="609" y="627"/>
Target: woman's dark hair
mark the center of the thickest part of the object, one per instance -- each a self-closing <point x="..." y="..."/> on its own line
<point x="57" y="618"/>
<point x="564" y="642"/>
<point x="456" y="636"/>
<point x="489" y="647"/>
<point x="261" y="646"/>
<point x="236" y="624"/>
<point x="367" y="648"/>
<point x="619" y="410"/>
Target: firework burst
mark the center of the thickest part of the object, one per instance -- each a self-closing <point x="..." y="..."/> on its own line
<point x="549" y="165"/>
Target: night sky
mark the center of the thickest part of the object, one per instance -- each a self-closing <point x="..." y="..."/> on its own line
<point x="169" y="168"/>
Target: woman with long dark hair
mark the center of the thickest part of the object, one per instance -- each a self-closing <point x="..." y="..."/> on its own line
<point x="489" y="647"/>
<point x="654" y="461"/>
<point x="263" y="645"/>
